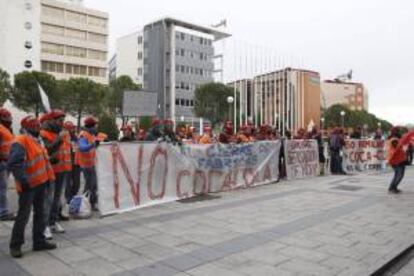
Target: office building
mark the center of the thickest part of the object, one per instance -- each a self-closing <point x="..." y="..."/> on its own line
<point x="169" y="57"/>
<point x="60" y="37"/>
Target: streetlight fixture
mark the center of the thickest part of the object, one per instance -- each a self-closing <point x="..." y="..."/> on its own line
<point x="379" y="124"/>
<point x="230" y="100"/>
<point x="343" y="113"/>
<point x="323" y="123"/>
<point x="182" y="118"/>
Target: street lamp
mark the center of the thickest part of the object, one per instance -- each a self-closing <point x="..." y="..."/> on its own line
<point x="230" y="100"/>
<point x="182" y="118"/>
<point x="342" y="118"/>
<point x="323" y="123"/>
<point x="379" y="124"/>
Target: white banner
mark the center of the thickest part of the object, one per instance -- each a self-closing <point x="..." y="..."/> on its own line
<point x="133" y="175"/>
<point x="302" y="158"/>
<point x="363" y="155"/>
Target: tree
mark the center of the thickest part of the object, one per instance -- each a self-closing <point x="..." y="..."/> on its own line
<point x="116" y="95"/>
<point x="82" y="97"/>
<point x="354" y="119"/>
<point x="26" y="96"/>
<point x="107" y="125"/>
<point x="211" y="102"/>
<point x="4" y="86"/>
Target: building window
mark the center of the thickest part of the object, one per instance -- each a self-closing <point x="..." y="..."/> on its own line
<point x="182" y="102"/>
<point x="97" y="21"/>
<point x="177" y="68"/>
<point x="76" y="52"/>
<point x="182" y="36"/>
<point x="94" y="71"/>
<point x="28" y="25"/>
<point x="52" y="12"/>
<point x="177" y="101"/>
<point x="201" y="40"/>
<point x="139" y="55"/>
<point x="51" y="48"/>
<point x="98" y="38"/>
<point x="76" y="17"/>
<point x="98" y="55"/>
<point x="53" y="30"/>
<point x="76" y="34"/>
<point x="54" y="67"/>
<point x="182" y="52"/>
<point x="182" y="69"/>
<point x="139" y="40"/>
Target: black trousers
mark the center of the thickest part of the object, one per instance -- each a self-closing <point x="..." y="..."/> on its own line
<point x="72" y="189"/>
<point x="35" y="197"/>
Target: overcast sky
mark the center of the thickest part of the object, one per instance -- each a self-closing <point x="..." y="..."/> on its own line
<point x="375" y="38"/>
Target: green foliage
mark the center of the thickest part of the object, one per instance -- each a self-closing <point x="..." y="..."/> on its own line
<point x="82" y="97"/>
<point x="4" y="86"/>
<point x="116" y="95"/>
<point x="211" y="102"/>
<point x="145" y="122"/>
<point x="107" y="125"/>
<point x="26" y="96"/>
<point x="353" y="119"/>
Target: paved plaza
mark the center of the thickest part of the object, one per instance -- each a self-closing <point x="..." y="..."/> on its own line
<point x="336" y="225"/>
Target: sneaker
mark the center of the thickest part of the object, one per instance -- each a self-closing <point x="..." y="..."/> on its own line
<point x="57" y="228"/>
<point x="44" y="246"/>
<point x="47" y="233"/>
<point x="16" y="252"/>
<point x="8" y="217"/>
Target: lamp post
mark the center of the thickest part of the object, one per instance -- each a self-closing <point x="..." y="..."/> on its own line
<point x="276" y="120"/>
<point x="182" y="118"/>
<point x="322" y="123"/>
<point x="230" y="101"/>
<point x="379" y="125"/>
<point x="343" y="118"/>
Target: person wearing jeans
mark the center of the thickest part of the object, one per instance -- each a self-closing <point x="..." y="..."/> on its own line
<point x="86" y="158"/>
<point x="29" y="163"/>
<point x="397" y="158"/>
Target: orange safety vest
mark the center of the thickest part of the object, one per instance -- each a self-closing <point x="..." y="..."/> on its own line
<point x="86" y="159"/>
<point x="6" y="140"/>
<point x="38" y="168"/>
<point x="63" y="153"/>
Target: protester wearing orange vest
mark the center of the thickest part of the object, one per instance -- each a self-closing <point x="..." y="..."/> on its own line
<point x="57" y="143"/>
<point x="6" y="139"/>
<point x="29" y="163"/>
<point x="86" y="158"/>
<point x="73" y="184"/>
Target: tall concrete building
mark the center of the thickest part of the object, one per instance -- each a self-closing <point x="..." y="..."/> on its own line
<point x="169" y="57"/>
<point x="288" y="99"/>
<point x="60" y="37"/>
<point x="350" y="94"/>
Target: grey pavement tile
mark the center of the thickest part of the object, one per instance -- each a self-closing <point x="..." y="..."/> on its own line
<point x="71" y="254"/>
<point x="156" y="252"/>
<point x="96" y="266"/>
<point x="9" y="267"/>
<point x="41" y="263"/>
<point x="156" y="269"/>
<point x="182" y="262"/>
<point x="113" y="253"/>
<point x="307" y="268"/>
<point x="304" y="254"/>
<point x="210" y="270"/>
<point x="134" y="262"/>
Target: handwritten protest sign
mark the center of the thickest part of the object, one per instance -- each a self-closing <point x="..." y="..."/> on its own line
<point x="133" y="175"/>
<point x="302" y="158"/>
<point x="363" y="155"/>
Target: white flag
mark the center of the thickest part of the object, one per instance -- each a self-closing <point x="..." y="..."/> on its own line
<point x="44" y="98"/>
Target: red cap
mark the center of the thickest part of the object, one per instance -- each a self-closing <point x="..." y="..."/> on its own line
<point x="5" y="115"/>
<point x="126" y="127"/>
<point x="30" y="122"/>
<point x="207" y="129"/>
<point x="68" y="125"/>
<point x="90" y="122"/>
<point x="45" y="117"/>
<point x="168" y="122"/>
<point x="155" y="122"/>
<point x="56" y="114"/>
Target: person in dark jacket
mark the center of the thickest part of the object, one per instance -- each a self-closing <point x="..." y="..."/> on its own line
<point x="336" y="144"/>
<point x="315" y="134"/>
<point x="29" y="163"/>
<point x="155" y="132"/>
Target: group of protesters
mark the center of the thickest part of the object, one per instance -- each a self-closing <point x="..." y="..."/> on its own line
<point x="47" y="159"/>
<point x="49" y="155"/>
